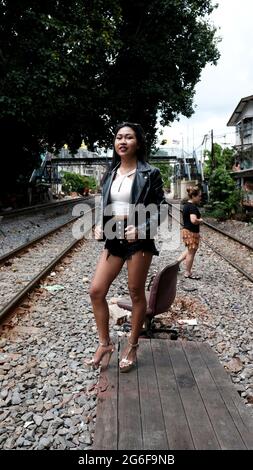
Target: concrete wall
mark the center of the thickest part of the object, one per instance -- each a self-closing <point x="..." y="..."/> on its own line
<point x="179" y="188"/>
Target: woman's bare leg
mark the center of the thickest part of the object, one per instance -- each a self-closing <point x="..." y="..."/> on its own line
<point x="138" y="267"/>
<point x="106" y="271"/>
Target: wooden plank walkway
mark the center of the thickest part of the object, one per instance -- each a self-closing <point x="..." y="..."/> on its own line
<point x="178" y="397"/>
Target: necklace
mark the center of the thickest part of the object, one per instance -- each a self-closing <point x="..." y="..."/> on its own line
<point x="130" y="172"/>
<point x="125" y="175"/>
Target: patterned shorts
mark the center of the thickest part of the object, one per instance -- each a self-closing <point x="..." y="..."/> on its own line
<point x="190" y="239"/>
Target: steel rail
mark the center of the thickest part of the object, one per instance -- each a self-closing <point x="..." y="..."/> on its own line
<point x="247" y="245"/>
<point x="229" y="261"/>
<point x="27" y="245"/>
<point x="247" y="275"/>
<point x="216" y="229"/>
<point x="12" y="304"/>
<point x="38" y="207"/>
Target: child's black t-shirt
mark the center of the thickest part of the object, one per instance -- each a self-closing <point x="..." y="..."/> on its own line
<point x="189" y="209"/>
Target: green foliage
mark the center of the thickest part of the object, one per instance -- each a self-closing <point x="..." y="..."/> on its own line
<point x="218" y="213"/>
<point x="166" y="172"/>
<point x="165" y="45"/>
<point x="224" y="196"/>
<point x="220" y="184"/>
<point x="53" y="58"/>
<point x="74" y="182"/>
<point x="71" y="70"/>
<point x="221" y="158"/>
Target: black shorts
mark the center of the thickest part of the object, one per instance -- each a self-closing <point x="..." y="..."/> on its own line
<point x="119" y="246"/>
<point x="126" y="250"/>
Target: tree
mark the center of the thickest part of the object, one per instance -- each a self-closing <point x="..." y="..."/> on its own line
<point x="52" y="57"/>
<point x="165" y="44"/>
<point x="166" y="172"/>
<point x="221" y="158"/>
<point x="224" y="196"/>
<point x="72" y="69"/>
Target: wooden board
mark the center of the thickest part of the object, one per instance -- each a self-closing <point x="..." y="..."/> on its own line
<point x="178" y="397"/>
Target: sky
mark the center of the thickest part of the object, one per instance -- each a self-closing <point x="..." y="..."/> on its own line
<point x="222" y="86"/>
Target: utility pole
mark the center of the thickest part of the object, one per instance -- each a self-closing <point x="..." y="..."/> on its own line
<point x="212" y="152"/>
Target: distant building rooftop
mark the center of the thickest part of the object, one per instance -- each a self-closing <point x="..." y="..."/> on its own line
<point x="243" y="173"/>
<point x="238" y="110"/>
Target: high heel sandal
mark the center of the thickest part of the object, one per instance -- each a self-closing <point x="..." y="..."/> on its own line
<point x="109" y="349"/>
<point x="126" y="364"/>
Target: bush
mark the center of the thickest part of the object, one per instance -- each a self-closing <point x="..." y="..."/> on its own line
<point x="77" y="183"/>
<point x="224" y="196"/>
<point x="219" y="213"/>
<point x="166" y="172"/>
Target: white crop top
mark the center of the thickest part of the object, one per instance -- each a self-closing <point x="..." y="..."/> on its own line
<point x="120" y="193"/>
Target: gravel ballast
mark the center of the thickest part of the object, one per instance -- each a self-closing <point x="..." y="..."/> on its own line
<point x="48" y="396"/>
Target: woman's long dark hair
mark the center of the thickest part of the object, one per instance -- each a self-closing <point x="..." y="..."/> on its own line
<point x="141" y="152"/>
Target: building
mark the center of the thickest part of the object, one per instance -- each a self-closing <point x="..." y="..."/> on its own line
<point x="242" y="119"/>
<point x="186" y="170"/>
<point x="46" y="181"/>
<point x="83" y="163"/>
<point x="74" y="164"/>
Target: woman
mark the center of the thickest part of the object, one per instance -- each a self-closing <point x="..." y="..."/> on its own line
<point x="190" y="232"/>
<point x="130" y="181"/>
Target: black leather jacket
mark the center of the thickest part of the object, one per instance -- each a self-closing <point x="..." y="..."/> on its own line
<point x="147" y="188"/>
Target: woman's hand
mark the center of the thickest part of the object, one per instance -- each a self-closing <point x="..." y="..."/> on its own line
<point x="131" y="233"/>
<point x="98" y="232"/>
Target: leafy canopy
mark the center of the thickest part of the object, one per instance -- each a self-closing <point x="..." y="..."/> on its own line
<point x="222" y="157"/>
<point x="224" y="195"/>
<point x="165" y="44"/>
<point x="72" y="69"/>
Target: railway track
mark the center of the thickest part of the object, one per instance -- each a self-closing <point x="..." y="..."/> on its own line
<point x="235" y="251"/>
<point x="22" y="269"/>
<point x="16" y="251"/>
<point x="41" y="207"/>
